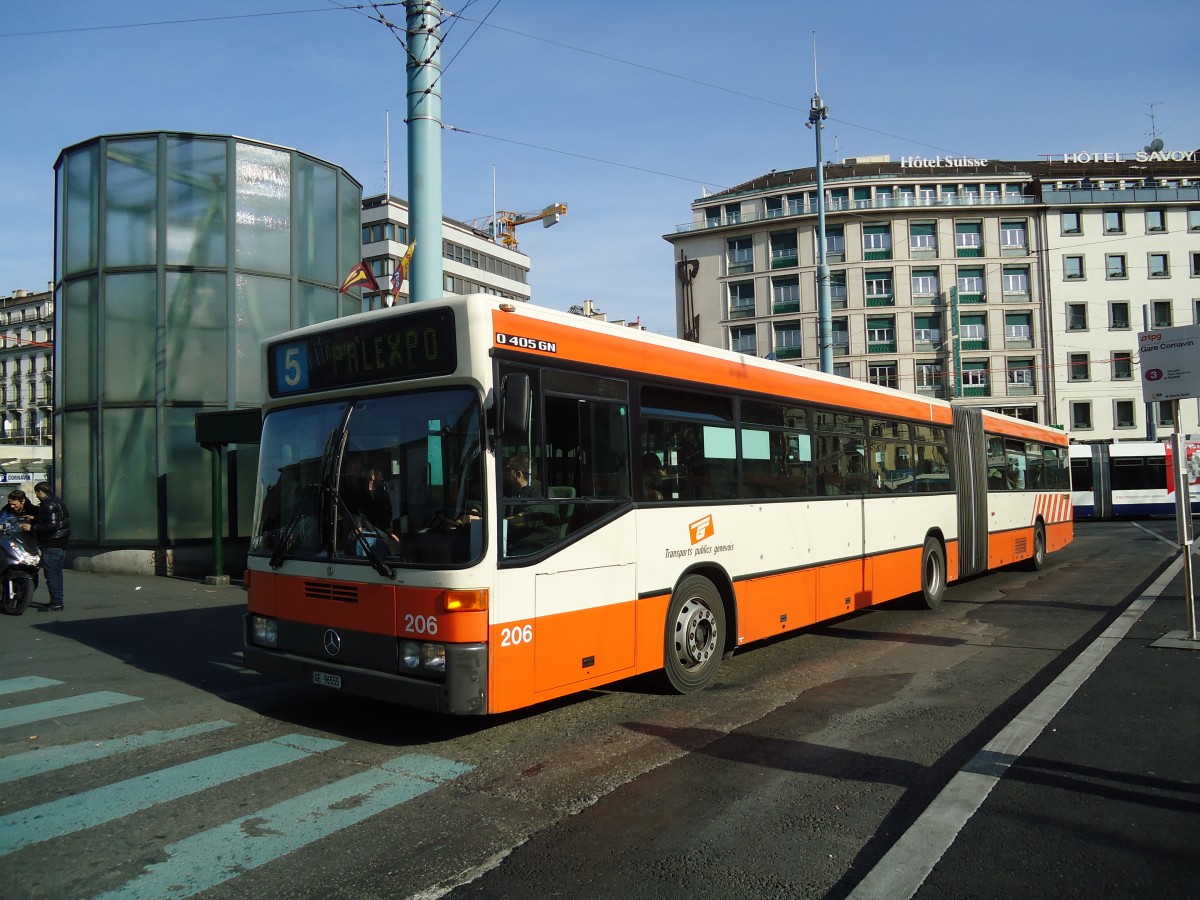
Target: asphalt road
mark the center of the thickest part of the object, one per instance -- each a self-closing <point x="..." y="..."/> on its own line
<point x="137" y="758"/>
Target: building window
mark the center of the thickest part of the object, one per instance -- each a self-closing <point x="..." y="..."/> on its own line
<point x="733" y="213"/>
<point x="1077" y="317"/>
<point x="837" y="290"/>
<point x="1114" y="221"/>
<point x="1122" y="365"/>
<point x="1124" y="414"/>
<point x="974" y="374"/>
<point x="835" y="242"/>
<point x="743" y="340"/>
<point x="785" y="294"/>
<point x="1073" y="267"/>
<point x="1020" y="375"/>
<point x="1160" y="314"/>
<point x="929" y="376"/>
<point x="1069" y="222"/>
<point x="840" y="336"/>
<point x="1118" y="315"/>
<point x="1018" y="329"/>
<point x="970" y="282"/>
<point x="1157" y="265"/>
<point x="1114" y="265"/>
<point x="881" y="334"/>
<point x="1078" y="367"/>
<point x="784" y="253"/>
<point x="925" y="282"/>
<point x="788" y="340"/>
<point x="1013" y="235"/>
<point x="927" y="329"/>
<point x="1016" y="279"/>
<point x="883" y="374"/>
<point x="1163" y="415"/>
<point x="741" y="299"/>
<point x="1081" y="415"/>
<point x="968" y="239"/>
<point x="1195" y="264"/>
<point x="877" y="242"/>
<point x="740" y="255"/>
<point x="973" y="332"/>
<point x="1193" y="219"/>
<point x="922" y="237"/>
<point x="841" y="370"/>
<point x="878" y="283"/>
<point x="1156" y="220"/>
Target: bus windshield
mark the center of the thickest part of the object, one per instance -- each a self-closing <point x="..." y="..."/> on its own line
<point x="392" y="479"/>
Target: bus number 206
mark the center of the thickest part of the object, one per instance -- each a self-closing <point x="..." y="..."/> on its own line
<point x="517" y="634"/>
<point x="420" y="624"/>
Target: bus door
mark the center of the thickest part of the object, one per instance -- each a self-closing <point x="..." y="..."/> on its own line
<point x="565" y="582"/>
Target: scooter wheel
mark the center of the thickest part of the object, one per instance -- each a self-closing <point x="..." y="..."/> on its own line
<point x="15" y="594"/>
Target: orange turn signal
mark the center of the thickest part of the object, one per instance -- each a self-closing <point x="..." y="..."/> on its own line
<point x="465" y="601"/>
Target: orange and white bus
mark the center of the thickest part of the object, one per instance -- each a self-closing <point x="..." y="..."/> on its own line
<point x="472" y="506"/>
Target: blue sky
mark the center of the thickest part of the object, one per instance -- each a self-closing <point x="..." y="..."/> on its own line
<point x="625" y="113"/>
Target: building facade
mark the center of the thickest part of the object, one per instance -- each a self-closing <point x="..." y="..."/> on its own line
<point x="26" y="387"/>
<point x="471" y="262"/>
<point x="989" y="282"/>
<point x="176" y="254"/>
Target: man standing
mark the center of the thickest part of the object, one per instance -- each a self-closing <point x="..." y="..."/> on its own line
<point x="53" y="528"/>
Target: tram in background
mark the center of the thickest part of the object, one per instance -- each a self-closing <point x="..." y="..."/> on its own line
<point x="1125" y="480"/>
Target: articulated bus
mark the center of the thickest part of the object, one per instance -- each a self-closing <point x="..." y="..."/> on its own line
<point x="1127" y="479"/>
<point x="472" y="506"/>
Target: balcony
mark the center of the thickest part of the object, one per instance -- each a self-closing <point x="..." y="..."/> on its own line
<point x="784" y="259"/>
<point x="881" y="300"/>
<point x="785" y="306"/>
<point x="741" y="312"/>
<point x="871" y="255"/>
<point x="788" y="353"/>
<point x="976" y="390"/>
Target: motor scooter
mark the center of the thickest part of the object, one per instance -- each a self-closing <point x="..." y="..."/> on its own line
<point x="19" y="560"/>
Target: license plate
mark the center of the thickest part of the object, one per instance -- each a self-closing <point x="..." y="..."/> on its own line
<point x="326" y="680"/>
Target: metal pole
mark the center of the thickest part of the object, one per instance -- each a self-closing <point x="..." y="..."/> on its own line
<point x="817" y="113"/>
<point x="423" y="25"/>
<point x="1151" y="424"/>
<point x="217" y="512"/>
<point x="956" y="345"/>
<point x="1183" y="516"/>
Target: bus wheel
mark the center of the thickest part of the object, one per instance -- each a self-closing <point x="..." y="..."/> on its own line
<point x="695" y="635"/>
<point x="933" y="573"/>
<point x="1038" y="560"/>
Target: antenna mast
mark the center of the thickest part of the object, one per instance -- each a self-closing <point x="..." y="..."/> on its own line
<point x="817" y="113"/>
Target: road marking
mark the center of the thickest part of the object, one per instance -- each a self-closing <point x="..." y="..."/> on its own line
<point x="215" y="856"/>
<point x="905" y="867"/>
<point x="105" y="804"/>
<point x="28" y="683"/>
<point x="48" y="759"/>
<point x="67" y="706"/>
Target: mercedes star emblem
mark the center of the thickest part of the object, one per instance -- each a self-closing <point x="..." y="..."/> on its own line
<point x="333" y="642"/>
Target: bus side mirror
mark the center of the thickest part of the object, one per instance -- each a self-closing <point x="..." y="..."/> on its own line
<point x="514" y="405"/>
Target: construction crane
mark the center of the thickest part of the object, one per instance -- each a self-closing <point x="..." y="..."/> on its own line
<point x="501" y="227"/>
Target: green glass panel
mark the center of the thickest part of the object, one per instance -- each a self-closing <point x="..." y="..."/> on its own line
<point x="78" y="474"/>
<point x="130" y="326"/>
<point x="78" y="339"/>
<point x="83" y="204"/>
<point x="262" y="308"/>
<point x="243" y="462"/>
<point x="196" y="338"/>
<point x="349" y="219"/>
<point x="129" y="475"/>
<point x="197" y="192"/>
<point x="131" y="203"/>
<point x="263" y="196"/>
<point x="188" y="479"/>
<point x="316" y="221"/>
<point x="320" y="304"/>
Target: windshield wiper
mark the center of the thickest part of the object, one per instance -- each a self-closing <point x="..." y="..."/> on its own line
<point x="360" y="537"/>
<point x="285" y="536"/>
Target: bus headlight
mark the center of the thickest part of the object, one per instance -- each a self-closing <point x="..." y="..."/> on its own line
<point x="419" y="656"/>
<point x="264" y="631"/>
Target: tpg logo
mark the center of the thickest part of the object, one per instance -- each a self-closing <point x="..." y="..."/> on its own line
<point x="701" y="529"/>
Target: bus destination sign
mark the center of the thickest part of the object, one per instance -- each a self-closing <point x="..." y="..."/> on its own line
<point x="390" y="348"/>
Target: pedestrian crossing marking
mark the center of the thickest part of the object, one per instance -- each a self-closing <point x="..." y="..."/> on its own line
<point x="27" y="683"/>
<point x="111" y="802"/>
<point x="49" y="759"/>
<point x="67" y="706"/>
<point x="212" y="857"/>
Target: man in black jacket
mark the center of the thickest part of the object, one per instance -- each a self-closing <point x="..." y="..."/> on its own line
<point x="53" y="528"/>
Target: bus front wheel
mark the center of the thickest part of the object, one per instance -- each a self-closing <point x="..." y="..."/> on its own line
<point x="933" y="573"/>
<point x="695" y="635"/>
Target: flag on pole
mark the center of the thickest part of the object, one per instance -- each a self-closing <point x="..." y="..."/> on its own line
<point x="360" y="276"/>
<point x="402" y="268"/>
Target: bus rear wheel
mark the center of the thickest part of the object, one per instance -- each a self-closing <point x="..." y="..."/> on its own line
<point x="695" y="635"/>
<point x="933" y="573"/>
<point x="1038" y="560"/>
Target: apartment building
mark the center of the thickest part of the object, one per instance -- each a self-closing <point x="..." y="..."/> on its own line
<point x="983" y="281"/>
